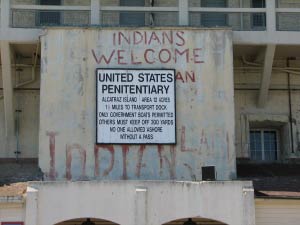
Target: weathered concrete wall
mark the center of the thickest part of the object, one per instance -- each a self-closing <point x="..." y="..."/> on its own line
<point x="205" y="111"/>
<point x="12" y="212"/>
<point x="277" y="211"/>
<point x="142" y="202"/>
<point x="276" y="112"/>
<point x="27" y="100"/>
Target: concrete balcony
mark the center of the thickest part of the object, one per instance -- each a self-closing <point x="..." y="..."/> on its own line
<point x="277" y="23"/>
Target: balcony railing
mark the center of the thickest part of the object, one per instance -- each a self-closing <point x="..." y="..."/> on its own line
<point x="180" y="12"/>
<point x="288" y="19"/>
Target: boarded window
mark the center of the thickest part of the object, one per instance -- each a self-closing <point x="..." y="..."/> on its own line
<point x="214" y="19"/>
<point x="48" y="18"/>
<point x="132" y="18"/>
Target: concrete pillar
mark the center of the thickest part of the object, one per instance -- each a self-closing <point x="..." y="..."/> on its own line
<point x="8" y="96"/>
<point x="5" y="14"/>
<point x="271" y="15"/>
<point x="183" y="6"/>
<point x="141" y="217"/>
<point x="266" y="76"/>
<point x="95" y="12"/>
<point x="31" y="213"/>
<point x="249" y="206"/>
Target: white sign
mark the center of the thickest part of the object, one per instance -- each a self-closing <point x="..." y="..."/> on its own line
<point x="136" y="106"/>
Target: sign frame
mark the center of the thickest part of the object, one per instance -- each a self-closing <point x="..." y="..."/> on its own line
<point x="136" y="143"/>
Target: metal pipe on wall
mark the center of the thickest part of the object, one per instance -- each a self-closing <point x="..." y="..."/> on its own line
<point x="290" y="105"/>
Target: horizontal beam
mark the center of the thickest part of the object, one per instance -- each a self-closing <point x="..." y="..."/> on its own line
<point x="145" y="9"/>
<point x="227" y="10"/>
<point x="139" y="9"/>
<point x="20" y="35"/>
<point x="264" y="37"/>
<point x="51" y="7"/>
<point x="288" y="10"/>
<point x="88" y="8"/>
<point x="29" y="35"/>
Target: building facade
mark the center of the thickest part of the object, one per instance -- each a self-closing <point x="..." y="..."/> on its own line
<point x="149" y="112"/>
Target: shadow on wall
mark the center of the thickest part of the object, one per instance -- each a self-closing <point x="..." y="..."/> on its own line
<point x="186" y="221"/>
<point x="194" y="221"/>
<point x="86" y="221"/>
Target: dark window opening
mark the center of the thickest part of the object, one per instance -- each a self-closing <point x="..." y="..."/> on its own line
<point x="214" y="19"/>
<point x="132" y="18"/>
<point x="208" y="173"/>
<point x="258" y="20"/>
<point x="49" y="18"/>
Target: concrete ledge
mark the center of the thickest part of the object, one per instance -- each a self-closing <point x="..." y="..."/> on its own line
<point x="123" y="202"/>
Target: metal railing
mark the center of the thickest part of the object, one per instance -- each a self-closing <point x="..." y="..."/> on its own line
<point x="181" y="13"/>
<point x="288" y="19"/>
<point x="31" y="16"/>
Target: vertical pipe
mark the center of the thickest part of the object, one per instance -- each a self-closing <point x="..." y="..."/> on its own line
<point x="18" y="111"/>
<point x="290" y="106"/>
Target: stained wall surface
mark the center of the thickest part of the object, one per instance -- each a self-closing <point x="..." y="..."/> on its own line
<point x="204" y="103"/>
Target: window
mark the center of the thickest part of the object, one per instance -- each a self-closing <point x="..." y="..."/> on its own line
<point x="48" y="18"/>
<point x="132" y="18"/>
<point x="264" y="145"/>
<point x="258" y="20"/>
<point x="214" y="19"/>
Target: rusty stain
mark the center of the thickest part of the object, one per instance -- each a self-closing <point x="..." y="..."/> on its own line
<point x="183" y="143"/>
<point x="140" y="164"/>
<point x="125" y="149"/>
<point x="52" y="172"/>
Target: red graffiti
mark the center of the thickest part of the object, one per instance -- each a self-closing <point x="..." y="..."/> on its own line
<point x="140" y="164"/>
<point x="103" y="57"/>
<point x="203" y="140"/>
<point x="149" y="37"/>
<point x="190" y="169"/>
<point x="183" y="144"/>
<point x="160" y="148"/>
<point x="171" y="163"/>
<point x="187" y="76"/>
<point x="109" y="148"/>
<point x="125" y="149"/>
<point x="219" y="139"/>
<point x="119" y="54"/>
<point x="163" y="56"/>
<point x="82" y="152"/>
<point x="52" y="172"/>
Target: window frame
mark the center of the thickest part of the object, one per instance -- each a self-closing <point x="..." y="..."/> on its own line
<point x="263" y="15"/>
<point x="38" y="15"/>
<point x="217" y="14"/>
<point x="262" y="130"/>
<point x="124" y="13"/>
